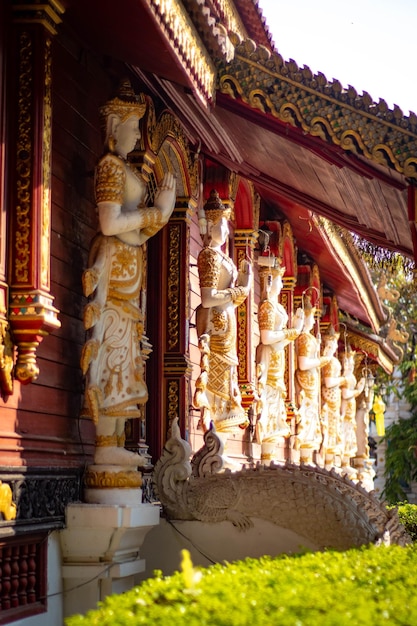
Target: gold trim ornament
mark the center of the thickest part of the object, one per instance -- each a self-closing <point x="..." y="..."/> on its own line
<point x="215" y="209"/>
<point x="330" y="333"/>
<point x="269" y="268"/>
<point x="124" y="105"/>
<point x="112" y="480"/>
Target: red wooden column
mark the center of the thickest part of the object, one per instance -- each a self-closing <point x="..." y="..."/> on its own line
<point x="177" y="365"/>
<point x="168" y="371"/>
<point x="31" y="311"/>
<point x="244" y="244"/>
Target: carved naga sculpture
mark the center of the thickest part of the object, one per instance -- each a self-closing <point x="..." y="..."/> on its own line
<point x="200" y="491"/>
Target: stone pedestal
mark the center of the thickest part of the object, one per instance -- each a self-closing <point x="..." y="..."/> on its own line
<point x="101" y="551"/>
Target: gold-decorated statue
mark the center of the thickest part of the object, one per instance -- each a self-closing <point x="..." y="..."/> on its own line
<point x="223" y="288"/>
<point x="113" y="356"/>
<point x="332" y="399"/>
<point x="310" y="429"/>
<point x="272" y="422"/>
<point x="350" y="391"/>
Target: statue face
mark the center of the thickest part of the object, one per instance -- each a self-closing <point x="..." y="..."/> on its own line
<point x="309" y="321"/>
<point x="276" y="284"/>
<point x="330" y="346"/>
<point x="220" y="231"/>
<point x="126" y="135"/>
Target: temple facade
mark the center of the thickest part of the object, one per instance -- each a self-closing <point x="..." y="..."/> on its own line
<point x="182" y="288"/>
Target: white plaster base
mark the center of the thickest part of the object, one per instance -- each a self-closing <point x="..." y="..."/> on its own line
<point x="122" y="497"/>
<point x="101" y="551"/>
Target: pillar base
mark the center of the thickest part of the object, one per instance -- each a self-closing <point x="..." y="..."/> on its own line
<point x="101" y="551"/>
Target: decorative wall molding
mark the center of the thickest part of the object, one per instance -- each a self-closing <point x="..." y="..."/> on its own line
<point x="40" y="496"/>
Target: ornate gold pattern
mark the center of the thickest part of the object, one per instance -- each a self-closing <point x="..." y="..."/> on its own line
<point x="110" y="180"/>
<point x="266" y="316"/>
<point x="173" y="286"/>
<point x="112" y="480"/>
<point x="103" y="441"/>
<point x="125" y="105"/>
<point x="173" y="401"/>
<point x="169" y="127"/>
<point x="7" y="506"/>
<point x="297" y="97"/>
<point x="242" y="330"/>
<point x="237" y="294"/>
<point x="209" y="266"/>
<point x="23" y="161"/>
<point x="46" y="167"/>
<point x="152" y="220"/>
<point x="187" y="43"/>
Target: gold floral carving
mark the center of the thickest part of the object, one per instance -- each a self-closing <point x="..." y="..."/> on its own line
<point x="308" y="101"/>
<point x="173" y="401"/>
<point x="7" y="507"/>
<point x="242" y="322"/>
<point x="266" y="316"/>
<point x="104" y="441"/>
<point x="112" y="480"/>
<point x="173" y="287"/>
<point x="110" y="179"/>
<point x="168" y="126"/>
<point x="187" y="44"/>
<point x="209" y="266"/>
<point x="23" y="161"/>
<point x="46" y="168"/>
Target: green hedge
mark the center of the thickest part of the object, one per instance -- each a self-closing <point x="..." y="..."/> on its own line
<point x="367" y="586"/>
<point x="408" y="517"/>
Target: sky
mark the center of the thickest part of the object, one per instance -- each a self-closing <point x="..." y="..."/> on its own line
<point x="369" y="44"/>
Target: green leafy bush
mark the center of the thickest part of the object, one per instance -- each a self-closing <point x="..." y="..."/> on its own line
<point x="408" y="517"/>
<point x="372" y="585"/>
<point x="400" y="457"/>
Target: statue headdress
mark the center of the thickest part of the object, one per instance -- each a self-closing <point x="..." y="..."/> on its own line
<point x="308" y="307"/>
<point x="269" y="268"/>
<point x="215" y="209"/>
<point x="125" y="104"/>
<point x="331" y="333"/>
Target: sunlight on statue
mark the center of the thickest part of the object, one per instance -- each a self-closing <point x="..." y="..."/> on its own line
<point x="310" y="431"/>
<point x="272" y="422"/>
<point x="113" y="356"/>
<point x="350" y="391"/>
<point x="332" y="399"/>
<point x="223" y="288"/>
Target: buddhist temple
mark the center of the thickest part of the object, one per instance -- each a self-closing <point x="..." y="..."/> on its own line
<point x="181" y="280"/>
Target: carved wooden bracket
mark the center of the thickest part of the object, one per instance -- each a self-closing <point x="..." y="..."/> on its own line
<point x="31" y="313"/>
